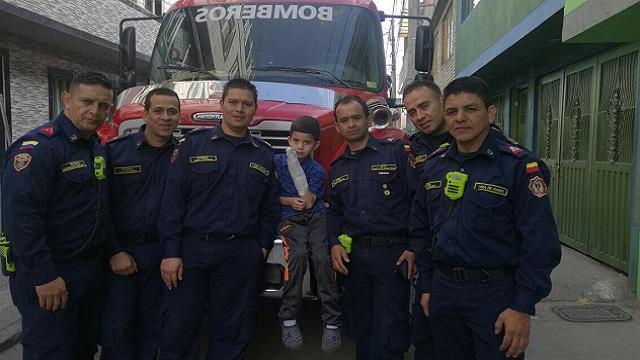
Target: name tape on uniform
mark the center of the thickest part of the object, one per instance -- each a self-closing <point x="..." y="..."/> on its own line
<point x="260" y="168"/>
<point x="123" y="170"/>
<point x="490" y="188"/>
<point x="339" y="179"/>
<point x="203" y="158"/>
<point x="384" y="167"/>
<point x="73" y="165"/>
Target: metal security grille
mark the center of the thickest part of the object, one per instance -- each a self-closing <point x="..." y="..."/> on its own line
<point x="616" y="109"/>
<point x="549" y="110"/>
<point x="548" y="119"/>
<point x="577" y="115"/>
<point x="610" y="186"/>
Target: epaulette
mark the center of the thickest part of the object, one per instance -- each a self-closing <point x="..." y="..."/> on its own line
<point x="261" y="141"/>
<point x="516" y="151"/>
<point x="197" y="130"/>
<point x="119" y="138"/>
<point x="440" y="150"/>
<point x="48" y="130"/>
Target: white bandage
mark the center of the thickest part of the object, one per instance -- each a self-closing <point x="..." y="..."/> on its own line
<point x="296" y="172"/>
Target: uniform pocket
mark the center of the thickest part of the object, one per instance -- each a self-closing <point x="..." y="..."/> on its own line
<point x="257" y="183"/>
<point x="204" y="175"/>
<point x="486" y="207"/>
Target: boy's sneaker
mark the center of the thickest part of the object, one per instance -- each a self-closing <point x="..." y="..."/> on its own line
<point x="291" y="337"/>
<point x="331" y="340"/>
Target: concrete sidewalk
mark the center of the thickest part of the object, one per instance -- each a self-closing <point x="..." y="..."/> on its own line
<point x="582" y="280"/>
<point x="578" y="280"/>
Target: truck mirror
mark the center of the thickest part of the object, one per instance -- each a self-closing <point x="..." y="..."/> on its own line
<point x="128" y="58"/>
<point x="424" y="48"/>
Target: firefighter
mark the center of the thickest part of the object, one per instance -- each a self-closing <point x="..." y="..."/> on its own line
<point x="370" y="188"/>
<point x="489" y="240"/>
<point x="217" y="223"/>
<point x="137" y="168"/>
<point x="422" y="101"/>
<point x="55" y="202"/>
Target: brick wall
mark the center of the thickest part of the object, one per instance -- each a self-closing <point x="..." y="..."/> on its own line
<point x="97" y="17"/>
<point x="28" y="64"/>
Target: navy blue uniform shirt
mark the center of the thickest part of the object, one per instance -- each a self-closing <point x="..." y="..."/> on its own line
<point x="315" y="179"/>
<point x="219" y="188"/>
<point x="503" y="220"/>
<point x="370" y="192"/>
<point x="422" y="145"/>
<point x="137" y="174"/>
<point x="51" y="195"/>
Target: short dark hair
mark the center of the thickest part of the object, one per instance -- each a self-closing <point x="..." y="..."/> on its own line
<point x="90" y="78"/>
<point x="242" y="84"/>
<point x="159" y="92"/>
<point x="307" y="125"/>
<point x="472" y="85"/>
<point x="416" y="84"/>
<point x="351" y="99"/>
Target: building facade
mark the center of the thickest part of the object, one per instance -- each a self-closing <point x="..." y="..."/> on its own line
<point x="42" y="43"/>
<point x="565" y="76"/>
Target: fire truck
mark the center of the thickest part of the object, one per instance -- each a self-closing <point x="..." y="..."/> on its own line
<point x="301" y="55"/>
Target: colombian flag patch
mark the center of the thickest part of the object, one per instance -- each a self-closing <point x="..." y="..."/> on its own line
<point x="532" y="167"/>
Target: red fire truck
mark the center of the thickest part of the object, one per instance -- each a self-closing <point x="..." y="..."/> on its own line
<point x="302" y="55"/>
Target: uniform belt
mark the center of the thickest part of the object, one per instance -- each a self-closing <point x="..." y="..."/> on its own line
<point x="211" y="236"/>
<point x="140" y="239"/>
<point x="459" y="273"/>
<point x="379" y="241"/>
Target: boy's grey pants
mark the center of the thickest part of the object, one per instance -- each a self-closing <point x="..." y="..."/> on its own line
<point x="304" y="235"/>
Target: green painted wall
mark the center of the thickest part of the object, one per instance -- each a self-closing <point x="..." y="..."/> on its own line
<point x="622" y="27"/>
<point x="488" y="22"/>
<point x="569" y="5"/>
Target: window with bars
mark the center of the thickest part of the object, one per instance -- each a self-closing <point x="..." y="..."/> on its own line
<point x="59" y="81"/>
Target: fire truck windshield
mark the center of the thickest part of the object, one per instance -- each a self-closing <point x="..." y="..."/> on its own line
<point x="327" y="45"/>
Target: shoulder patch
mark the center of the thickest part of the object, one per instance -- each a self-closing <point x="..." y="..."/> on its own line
<point x="21" y="161"/>
<point x="407" y="148"/>
<point x="339" y="179"/>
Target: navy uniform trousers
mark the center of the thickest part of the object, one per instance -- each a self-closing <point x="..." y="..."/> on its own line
<point x="218" y="275"/>
<point x="377" y="300"/>
<point x="72" y="330"/>
<point x="134" y="300"/>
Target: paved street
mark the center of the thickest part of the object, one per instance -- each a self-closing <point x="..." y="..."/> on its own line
<point x="578" y="280"/>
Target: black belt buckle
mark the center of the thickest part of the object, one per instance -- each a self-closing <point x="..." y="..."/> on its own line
<point x="457" y="273"/>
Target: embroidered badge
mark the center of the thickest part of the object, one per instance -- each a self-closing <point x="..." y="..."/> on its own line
<point x="538" y="187"/>
<point x="124" y="170"/>
<point x="419" y="159"/>
<point x="259" y="167"/>
<point x="433" y="185"/>
<point x="532" y="167"/>
<point x="490" y="188"/>
<point x="73" y="165"/>
<point x="338" y="180"/>
<point x="21" y="161"/>
<point x="203" y="158"/>
<point x="384" y="167"/>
